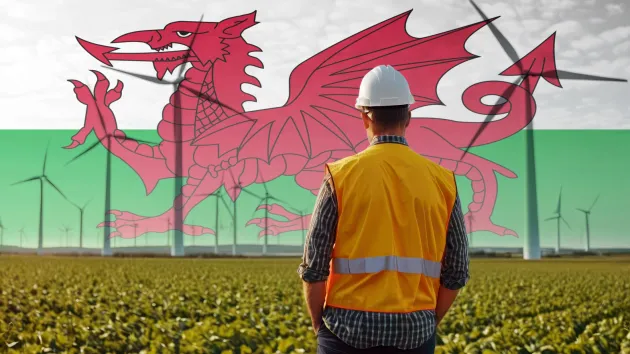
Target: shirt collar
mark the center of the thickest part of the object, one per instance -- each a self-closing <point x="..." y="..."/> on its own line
<point x="380" y="139"/>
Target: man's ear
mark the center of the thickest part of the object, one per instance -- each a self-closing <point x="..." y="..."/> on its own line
<point x="233" y="27"/>
<point x="408" y="119"/>
<point x="366" y="120"/>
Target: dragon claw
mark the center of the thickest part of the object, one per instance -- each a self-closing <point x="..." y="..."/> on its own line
<point x="129" y="225"/>
<point x="483" y="223"/>
<point x="72" y="145"/>
<point x="76" y="83"/>
<point x="99" y="75"/>
<point x="275" y="227"/>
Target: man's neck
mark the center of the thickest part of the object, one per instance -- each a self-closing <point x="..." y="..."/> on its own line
<point x="389" y="133"/>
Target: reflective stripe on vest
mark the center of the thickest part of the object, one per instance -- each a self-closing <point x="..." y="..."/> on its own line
<point x="395" y="263"/>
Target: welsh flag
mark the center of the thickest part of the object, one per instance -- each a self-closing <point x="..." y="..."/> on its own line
<point x="180" y="127"/>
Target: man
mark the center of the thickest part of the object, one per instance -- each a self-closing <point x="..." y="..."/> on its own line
<point x="386" y="251"/>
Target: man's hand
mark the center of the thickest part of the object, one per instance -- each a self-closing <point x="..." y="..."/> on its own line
<point x="315" y="295"/>
<point x="445" y="299"/>
<point x="316" y="325"/>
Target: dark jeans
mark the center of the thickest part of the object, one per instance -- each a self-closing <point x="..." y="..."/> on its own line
<point x="328" y="343"/>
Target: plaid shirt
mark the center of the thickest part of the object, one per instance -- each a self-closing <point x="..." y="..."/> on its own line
<point x="362" y="329"/>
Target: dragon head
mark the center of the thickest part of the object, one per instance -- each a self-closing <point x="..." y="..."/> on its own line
<point x="200" y="43"/>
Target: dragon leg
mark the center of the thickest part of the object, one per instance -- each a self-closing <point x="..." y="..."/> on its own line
<point x="200" y="183"/>
<point x="481" y="173"/>
<point x="310" y="178"/>
<point x="146" y="160"/>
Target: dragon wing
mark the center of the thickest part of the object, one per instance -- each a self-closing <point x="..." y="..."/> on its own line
<point x="319" y="115"/>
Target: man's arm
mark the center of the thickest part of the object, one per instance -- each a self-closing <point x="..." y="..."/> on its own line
<point x="455" y="263"/>
<point x="315" y="266"/>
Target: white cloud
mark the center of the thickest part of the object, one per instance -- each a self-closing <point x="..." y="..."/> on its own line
<point x="622" y="48"/>
<point x="596" y="20"/>
<point x="614" y="9"/>
<point x="616" y="34"/>
<point x="587" y="42"/>
<point x="10" y="33"/>
<point x="566" y="28"/>
<point x="534" y="25"/>
<point x="569" y="53"/>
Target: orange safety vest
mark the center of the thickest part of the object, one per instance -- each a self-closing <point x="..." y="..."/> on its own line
<point x="394" y="208"/>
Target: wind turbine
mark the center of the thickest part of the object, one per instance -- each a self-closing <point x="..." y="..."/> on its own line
<point x="81" y="210"/>
<point x="531" y="248"/>
<point x="66" y="229"/>
<point x="218" y="197"/>
<point x="587" y="213"/>
<point x="21" y="231"/>
<point x="107" y="250"/>
<point x="265" y="200"/>
<point x="135" y="234"/>
<point x="43" y="178"/>
<point x="237" y="187"/>
<point x="1" y="234"/>
<point x="558" y="217"/>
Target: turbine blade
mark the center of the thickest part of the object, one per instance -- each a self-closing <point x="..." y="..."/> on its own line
<point x="505" y="96"/>
<point x="144" y="77"/>
<point x="232" y="176"/>
<point x="26" y="180"/>
<point x="192" y="44"/>
<point x="552" y="218"/>
<point x="226" y="205"/>
<point x="84" y="152"/>
<point x="566" y="223"/>
<point x="250" y="193"/>
<point x="45" y="159"/>
<point x="582" y="210"/>
<point x="264" y="183"/>
<point x="567" y="75"/>
<point x="55" y="187"/>
<point x="259" y="203"/>
<point x="595" y="201"/>
<point x="559" y="201"/>
<point x="279" y="200"/>
<point x="505" y="44"/>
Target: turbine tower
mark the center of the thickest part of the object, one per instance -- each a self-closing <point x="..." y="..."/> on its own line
<point x="587" y="213"/>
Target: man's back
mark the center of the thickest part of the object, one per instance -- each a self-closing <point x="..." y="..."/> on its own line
<point x="360" y="328"/>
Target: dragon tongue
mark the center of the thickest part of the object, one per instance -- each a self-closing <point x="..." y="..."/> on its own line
<point x="163" y="66"/>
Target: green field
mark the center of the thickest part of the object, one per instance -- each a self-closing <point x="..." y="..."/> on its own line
<point x="97" y="305"/>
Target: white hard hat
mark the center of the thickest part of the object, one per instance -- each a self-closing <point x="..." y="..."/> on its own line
<point x="384" y="86"/>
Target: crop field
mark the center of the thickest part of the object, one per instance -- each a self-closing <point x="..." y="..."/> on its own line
<point x="95" y="305"/>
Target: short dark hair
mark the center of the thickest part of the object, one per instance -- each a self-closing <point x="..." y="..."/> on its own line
<point x="387" y="117"/>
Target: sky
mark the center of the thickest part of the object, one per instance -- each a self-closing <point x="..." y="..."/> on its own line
<point x="40" y="53"/>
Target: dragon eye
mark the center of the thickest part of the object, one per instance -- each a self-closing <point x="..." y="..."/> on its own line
<point x="183" y="34"/>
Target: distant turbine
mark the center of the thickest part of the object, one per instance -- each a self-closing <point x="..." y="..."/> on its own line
<point x="21" y="231"/>
<point x="135" y="234"/>
<point x="265" y="200"/>
<point x="587" y="213"/>
<point x="66" y="230"/>
<point x="81" y="210"/>
<point x="219" y="197"/>
<point x="1" y="234"/>
<point x="557" y="217"/>
<point x="237" y="186"/>
<point x="43" y="178"/>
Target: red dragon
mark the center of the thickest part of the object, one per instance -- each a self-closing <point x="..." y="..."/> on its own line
<point x="318" y="124"/>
